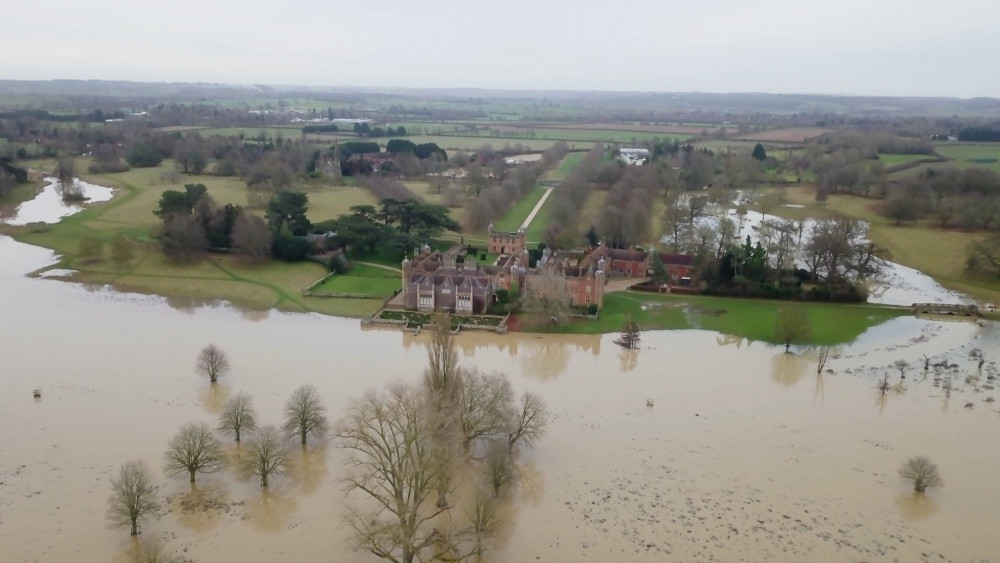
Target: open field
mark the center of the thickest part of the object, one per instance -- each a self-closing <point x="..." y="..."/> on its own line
<point x="964" y="155"/>
<point x="662" y="129"/>
<point x="597" y="135"/>
<point x="922" y="246"/>
<point x="453" y="143"/>
<point x="897" y="159"/>
<point x="270" y="131"/>
<point x="790" y="135"/>
<point x="562" y="170"/>
<point x="330" y="202"/>
<point x="749" y="318"/>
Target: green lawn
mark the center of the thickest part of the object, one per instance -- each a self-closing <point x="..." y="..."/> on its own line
<point x="965" y="154"/>
<point x="560" y="172"/>
<point x="362" y="279"/>
<point x="516" y="215"/>
<point x="750" y="318"/>
<point x="536" y="230"/>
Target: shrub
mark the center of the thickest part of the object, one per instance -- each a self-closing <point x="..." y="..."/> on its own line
<point x="592" y="309"/>
<point x="143" y="155"/>
<point x="107" y="167"/>
<point x="290" y="248"/>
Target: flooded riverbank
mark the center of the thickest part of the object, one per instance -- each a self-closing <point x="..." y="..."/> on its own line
<point x="748" y="454"/>
<point x="49" y="207"/>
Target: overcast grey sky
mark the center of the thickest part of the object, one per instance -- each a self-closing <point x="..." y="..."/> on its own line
<point x="880" y="47"/>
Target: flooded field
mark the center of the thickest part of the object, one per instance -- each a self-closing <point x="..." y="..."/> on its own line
<point x="48" y="206"/>
<point x="747" y="455"/>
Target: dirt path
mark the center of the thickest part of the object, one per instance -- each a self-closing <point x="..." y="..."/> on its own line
<point x="622" y="284"/>
<point x="383" y="266"/>
<point x="531" y="216"/>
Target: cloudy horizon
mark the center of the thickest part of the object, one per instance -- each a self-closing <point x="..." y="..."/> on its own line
<point x="873" y="48"/>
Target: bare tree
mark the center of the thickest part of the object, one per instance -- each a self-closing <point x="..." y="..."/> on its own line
<point x="527" y="424"/>
<point x="902" y="366"/>
<point x="251" y="237"/>
<point x="304" y="414"/>
<point x="393" y="467"/>
<point x="546" y="297"/>
<point x="629" y="338"/>
<point x="212" y="362"/>
<point x="487" y="401"/>
<point x="443" y="378"/>
<point x="922" y="473"/>
<point x="238" y="415"/>
<point x="443" y="383"/>
<point x="883" y="385"/>
<point x="499" y="467"/>
<point x="267" y="455"/>
<point x="821" y="357"/>
<point x="793" y="326"/>
<point x="132" y="496"/>
<point x="183" y="238"/>
<point x="193" y="450"/>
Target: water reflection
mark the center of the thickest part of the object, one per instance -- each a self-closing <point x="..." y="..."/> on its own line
<point x="916" y="506"/>
<point x="628" y="359"/>
<point x="202" y="507"/>
<point x="730" y="340"/>
<point x="307" y="468"/>
<point x="271" y="511"/>
<point x="788" y="369"/>
<point x="214" y="397"/>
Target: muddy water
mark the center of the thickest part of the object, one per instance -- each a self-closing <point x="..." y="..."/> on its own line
<point x="746" y="455"/>
<point x="48" y="206"/>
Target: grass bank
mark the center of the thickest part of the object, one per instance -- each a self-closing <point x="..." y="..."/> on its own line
<point x="747" y="318"/>
<point x="216" y="277"/>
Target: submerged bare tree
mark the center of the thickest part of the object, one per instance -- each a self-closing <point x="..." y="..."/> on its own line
<point x="821" y="357"/>
<point x="193" y="450"/>
<point x="883" y="385"/>
<point x="902" y="366"/>
<point x="487" y="401"/>
<point x="304" y="414"/>
<point x="212" y="363"/>
<point x="922" y="473"/>
<point x="393" y="467"/>
<point x="499" y="467"/>
<point x="629" y="338"/>
<point x="442" y="377"/>
<point x="443" y="385"/>
<point x="267" y="455"/>
<point x="528" y="421"/>
<point x="238" y="416"/>
<point x="793" y="326"/>
<point x="132" y="496"/>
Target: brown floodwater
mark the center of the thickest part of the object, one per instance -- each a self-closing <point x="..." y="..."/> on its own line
<point x="746" y="455"/>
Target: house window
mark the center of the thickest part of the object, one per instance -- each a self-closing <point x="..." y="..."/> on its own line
<point x="464" y="302"/>
<point x="588" y="290"/>
<point x="587" y="300"/>
<point x="426" y="301"/>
